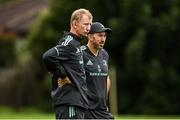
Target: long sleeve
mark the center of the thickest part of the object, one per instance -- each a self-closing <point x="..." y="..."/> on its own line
<point x="52" y="63"/>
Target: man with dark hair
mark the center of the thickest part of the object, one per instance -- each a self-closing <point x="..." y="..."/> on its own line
<point x="65" y="63"/>
<point x="96" y="67"/>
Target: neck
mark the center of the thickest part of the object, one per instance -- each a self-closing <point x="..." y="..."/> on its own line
<point x="93" y="49"/>
<point x="74" y="32"/>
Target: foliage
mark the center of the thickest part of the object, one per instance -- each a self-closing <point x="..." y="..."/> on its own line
<point x="148" y="57"/>
<point x="3" y="1"/>
<point x="7" y="51"/>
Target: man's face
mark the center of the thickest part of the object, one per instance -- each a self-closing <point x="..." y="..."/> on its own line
<point x="83" y="26"/>
<point x="98" y="40"/>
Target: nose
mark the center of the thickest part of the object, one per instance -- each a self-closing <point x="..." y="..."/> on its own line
<point x="88" y="28"/>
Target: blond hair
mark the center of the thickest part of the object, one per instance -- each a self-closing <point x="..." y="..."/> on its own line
<point x="77" y="14"/>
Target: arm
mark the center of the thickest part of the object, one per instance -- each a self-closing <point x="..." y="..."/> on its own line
<point x="51" y="60"/>
<point x="108" y="85"/>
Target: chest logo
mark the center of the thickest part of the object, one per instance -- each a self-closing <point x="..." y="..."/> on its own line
<point x="99" y="68"/>
<point x="89" y="62"/>
<point x="104" y="62"/>
<point x="78" y="50"/>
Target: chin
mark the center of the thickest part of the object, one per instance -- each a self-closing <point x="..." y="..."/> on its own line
<point x="100" y="48"/>
<point x="85" y="35"/>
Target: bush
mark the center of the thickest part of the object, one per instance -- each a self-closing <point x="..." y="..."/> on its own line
<point x="7" y="51"/>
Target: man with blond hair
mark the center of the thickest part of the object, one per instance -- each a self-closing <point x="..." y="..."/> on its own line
<point x="65" y="63"/>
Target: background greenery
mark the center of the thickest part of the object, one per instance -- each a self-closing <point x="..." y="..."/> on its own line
<point x="144" y="47"/>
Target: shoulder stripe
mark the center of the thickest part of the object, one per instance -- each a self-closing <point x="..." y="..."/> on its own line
<point x="56" y="50"/>
<point x="68" y="39"/>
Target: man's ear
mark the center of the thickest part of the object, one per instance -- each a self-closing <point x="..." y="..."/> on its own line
<point x="74" y="24"/>
<point x="90" y="36"/>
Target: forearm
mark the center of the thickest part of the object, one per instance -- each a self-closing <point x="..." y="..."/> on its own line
<point x="108" y="85"/>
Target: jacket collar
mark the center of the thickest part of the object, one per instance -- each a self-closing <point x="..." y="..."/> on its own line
<point x="74" y="36"/>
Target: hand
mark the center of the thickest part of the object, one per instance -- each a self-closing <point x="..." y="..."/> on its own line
<point x="62" y="82"/>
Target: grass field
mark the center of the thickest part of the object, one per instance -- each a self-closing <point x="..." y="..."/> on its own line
<point x="26" y="113"/>
<point x="30" y="113"/>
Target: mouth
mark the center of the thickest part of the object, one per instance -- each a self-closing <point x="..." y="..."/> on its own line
<point x="86" y="33"/>
<point x="101" y="45"/>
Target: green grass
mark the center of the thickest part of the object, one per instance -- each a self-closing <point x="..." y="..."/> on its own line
<point x="32" y="113"/>
<point x="148" y="117"/>
<point x="26" y="113"/>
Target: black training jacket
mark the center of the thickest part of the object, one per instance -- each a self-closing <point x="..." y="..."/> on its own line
<point x="63" y="60"/>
